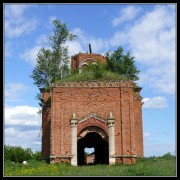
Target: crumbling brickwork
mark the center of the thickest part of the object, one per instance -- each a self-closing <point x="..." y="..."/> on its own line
<point x="91" y="103"/>
<point x="79" y="59"/>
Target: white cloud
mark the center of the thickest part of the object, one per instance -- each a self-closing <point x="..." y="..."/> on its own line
<point x="150" y="35"/>
<point x="22" y="127"/>
<point x="98" y="45"/>
<point x="25" y="139"/>
<point x="74" y="47"/>
<point x="147" y="135"/>
<point x="82" y="37"/>
<point x="30" y="55"/>
<point x="151" y="40"/>
<point x="22" y="116"/>
<point x="126" y="14"/>
<point x="163" y="80"/>
<point x="81" y="44"/>
<point x="156" y="102"/>
<point x="118" y="39"/>
<point x="24" y="136"/>
<point x="14" y="90"/>
<point x="153" y="44"/>
<point x="42" y="40"/>
<point x="16" y="22"/>
<point x="38" y="143"/>
<point x="15" y="10"/>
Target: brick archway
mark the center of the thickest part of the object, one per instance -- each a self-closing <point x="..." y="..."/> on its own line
<point x="83" y="133"/>
<point x="85" y="62"/>
<point x="92" y="119"/>
<point x="93" y="137"/>
<point x="92" y="131"/>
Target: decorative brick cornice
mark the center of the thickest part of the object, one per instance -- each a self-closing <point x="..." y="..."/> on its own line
<point x="96" y="84"/>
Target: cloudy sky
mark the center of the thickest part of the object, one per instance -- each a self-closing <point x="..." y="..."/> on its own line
<point x="148" y="31"/>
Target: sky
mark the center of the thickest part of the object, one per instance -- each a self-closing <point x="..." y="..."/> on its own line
<point x="148" y="31"/>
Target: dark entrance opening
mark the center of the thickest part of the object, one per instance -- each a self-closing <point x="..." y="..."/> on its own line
<point x="100" y="145"/>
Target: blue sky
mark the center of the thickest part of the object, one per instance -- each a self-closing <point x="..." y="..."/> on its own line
<point x="148" y="31"/>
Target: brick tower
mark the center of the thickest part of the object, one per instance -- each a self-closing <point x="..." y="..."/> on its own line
<point x="105" y="115"/>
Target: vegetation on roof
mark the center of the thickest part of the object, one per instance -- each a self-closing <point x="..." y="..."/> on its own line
<point x="90" y="76"/>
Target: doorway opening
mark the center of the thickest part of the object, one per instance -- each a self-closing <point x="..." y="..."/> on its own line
<point x="100" y="145"/>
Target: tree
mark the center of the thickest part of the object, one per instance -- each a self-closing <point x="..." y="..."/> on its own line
<point x="53" y="63"/>
<point x="17" y="153"/>
<point x="121" y="63"/>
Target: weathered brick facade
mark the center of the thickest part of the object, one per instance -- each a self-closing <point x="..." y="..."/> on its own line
<point x="104" y="115"/>
<point x="77" y="61"/>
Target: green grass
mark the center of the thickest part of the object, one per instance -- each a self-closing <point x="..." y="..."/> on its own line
<point x="89" y="76"/>
<point x="144" y="167"/>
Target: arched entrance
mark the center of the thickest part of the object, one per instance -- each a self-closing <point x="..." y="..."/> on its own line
<point x="93" y="137"/>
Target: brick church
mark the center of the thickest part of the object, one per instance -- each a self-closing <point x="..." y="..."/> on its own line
<point x="104" y="115"/>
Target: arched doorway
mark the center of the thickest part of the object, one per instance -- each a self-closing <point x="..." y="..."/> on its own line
<point x="93" y="137"/>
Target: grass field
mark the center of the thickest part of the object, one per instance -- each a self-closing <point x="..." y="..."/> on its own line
<point x="153" y="166"/>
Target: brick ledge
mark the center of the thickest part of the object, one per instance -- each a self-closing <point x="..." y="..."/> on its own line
<point x="95" y="84"/>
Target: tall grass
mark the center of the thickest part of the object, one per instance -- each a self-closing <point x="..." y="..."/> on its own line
<point x="96" y="75"/>
<point x="152" y="166"/>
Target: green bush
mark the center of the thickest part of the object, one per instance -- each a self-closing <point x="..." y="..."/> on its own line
<point x="19" y="154"/>
<point x="168" y="156"/>
<point x="37" y="155"/>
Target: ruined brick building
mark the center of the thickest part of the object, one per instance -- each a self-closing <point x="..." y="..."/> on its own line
<point x="105" y="115"/>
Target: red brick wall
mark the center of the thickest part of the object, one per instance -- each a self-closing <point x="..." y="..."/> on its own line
<point x="90" y="159"/>
<point x="46" y="125"/>
<point x="82" y="101"/>
<point x="138" y="125"/>
<point x="100" y="99"/>
<point x="77" y="59"/>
